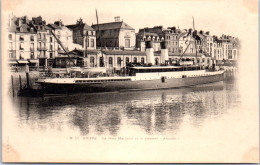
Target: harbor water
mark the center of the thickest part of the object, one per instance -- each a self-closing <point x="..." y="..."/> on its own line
<point x="175" y="116"/>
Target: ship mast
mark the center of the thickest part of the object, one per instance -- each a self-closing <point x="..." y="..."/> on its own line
<point x="194" y="38"/>
<point x="102" y="63"/>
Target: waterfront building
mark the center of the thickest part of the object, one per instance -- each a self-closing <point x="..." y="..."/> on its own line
<point x="202" y="41"/>
<point x="229" y="47"/>
<point x="64" y="34"/>
<point x="83" y="35"/>
<point x="143" y="36"/>
<point x="186" y="42"/>
<point x="209" y="43"/>
<point x="171" y="38"/>
<point x="154" y="34"/>
<point x="217" y="48"/>
<point x="22" y="41"/>
<point x="40" y="26"/>
<point x="116" y="35"/>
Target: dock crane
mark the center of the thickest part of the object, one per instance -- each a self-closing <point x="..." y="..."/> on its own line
<point x="59" y="42"/>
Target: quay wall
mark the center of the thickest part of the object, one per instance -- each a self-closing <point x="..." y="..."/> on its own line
<point x="33" y="76"/>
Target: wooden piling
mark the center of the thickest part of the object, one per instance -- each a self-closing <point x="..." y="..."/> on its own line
<point x="12" y="79"/>
<point x="27" y="76"/>
<point x="20" y="82"/>
<point x="27" y="80"/>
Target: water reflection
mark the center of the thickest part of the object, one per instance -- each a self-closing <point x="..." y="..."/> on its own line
<point x="154" y="112"/>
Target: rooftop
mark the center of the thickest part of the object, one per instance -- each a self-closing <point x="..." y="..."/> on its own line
<point x="22" y="28"/>
<point x="83" y="26"/>
<point x="54" y="26"/>
<point x="112" y="25"/>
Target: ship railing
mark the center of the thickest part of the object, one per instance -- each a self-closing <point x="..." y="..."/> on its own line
<point x="50" y="74"/>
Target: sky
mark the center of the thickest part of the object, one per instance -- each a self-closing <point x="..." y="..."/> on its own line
<point x="216" y="16"/>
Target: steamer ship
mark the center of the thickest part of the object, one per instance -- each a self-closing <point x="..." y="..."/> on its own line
<point x="143" y="77"/>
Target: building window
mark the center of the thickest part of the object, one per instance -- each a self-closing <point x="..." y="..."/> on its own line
<point x="50" y="47"/>
<point x="32" y="47"/>
<point x="11" y="55"/>
<point x="21" y="56"/>
<point x="51" y="55"/>
<point x="43" y="46"/>
<point x="127" y="60"/>
<point x="21" y="38"/>
<point x="87" y="41"/>
<point x="32" y="55"/>
<point x="170" y="60"/>
<point x="92" y="60"/>
<point x="156" y="61"/>
<point x="127" y="43"/>
<point x="101" y="61"/>
<point x="39" y="36"/>
<point x="135" y="60"/>
<point x="10" y="36"/>
<point x="39" y="45"/>
<point x="21" y="46"/>
<point x="50" y="39"/>
<point x="92" y="43"/>
<point x="10" y="46"/>
<point x="110" y="61"/>
<point x="119" y="61"/>
<point x="142" y="60"/>
<point x="32" y="38"/>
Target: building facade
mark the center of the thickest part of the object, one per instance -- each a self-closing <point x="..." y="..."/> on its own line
<point x="22" y="42"/>
<point x="83" y="34"/>
<point x="143" y="36"/>
<point x="115" y="35"/>
<point x="171" y="38"/>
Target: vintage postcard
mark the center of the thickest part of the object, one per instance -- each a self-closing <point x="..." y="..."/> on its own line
<point x="169" y="81"/>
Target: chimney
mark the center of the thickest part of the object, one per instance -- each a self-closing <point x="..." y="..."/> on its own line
<point x="58" y="23"/>
<point x="190" y="31"/>
<point x="174" y="29"/>
<point x="149" y="52"/>
<point x="19" y="21"/>
<point x="117" y="19"/>
<point x="164" y="52"/>
<point x="207" y="32"/>
<point x="201" y="32"/>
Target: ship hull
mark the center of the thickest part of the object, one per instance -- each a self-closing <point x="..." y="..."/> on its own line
<point x="130" y="85"/>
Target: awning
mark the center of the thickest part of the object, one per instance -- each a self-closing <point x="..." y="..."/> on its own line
<point x="12" y="62"/>
<point x="22" y="61"/>
<point x="34" y="61"/>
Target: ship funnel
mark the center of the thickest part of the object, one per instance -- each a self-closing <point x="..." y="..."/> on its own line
<point x="149" y="52"/>
<point x="164" y="52"/>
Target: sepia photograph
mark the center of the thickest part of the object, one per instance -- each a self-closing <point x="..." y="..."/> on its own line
<point x="169" y="81"/>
